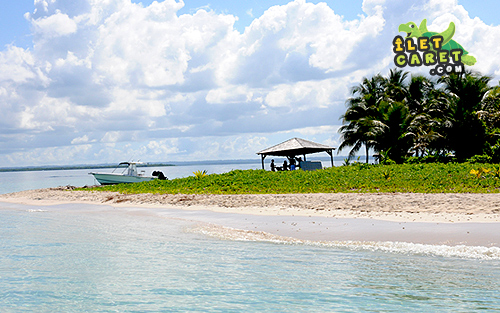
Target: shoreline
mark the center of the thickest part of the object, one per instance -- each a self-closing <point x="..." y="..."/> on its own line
<point x="399" y="207"/>
<point x="436" y="219"/>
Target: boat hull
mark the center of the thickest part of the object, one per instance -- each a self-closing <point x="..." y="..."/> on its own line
<point x="113" y="179"/>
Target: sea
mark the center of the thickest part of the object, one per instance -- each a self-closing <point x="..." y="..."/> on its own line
<point x="89" y="258"/>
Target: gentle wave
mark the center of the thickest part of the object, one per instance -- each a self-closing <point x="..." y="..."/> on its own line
<point x="36" y="210"/>
<point x="459" y="251"/>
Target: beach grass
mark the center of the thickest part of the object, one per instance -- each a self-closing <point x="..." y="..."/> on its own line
<point x="362" y="178"/>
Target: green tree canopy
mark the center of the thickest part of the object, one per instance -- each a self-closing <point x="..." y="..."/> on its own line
<point x="402" y="115"/>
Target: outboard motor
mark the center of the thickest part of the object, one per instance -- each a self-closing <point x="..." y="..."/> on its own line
<point x="160" y="175"/>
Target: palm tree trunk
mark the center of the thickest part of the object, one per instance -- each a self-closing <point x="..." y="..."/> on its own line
<point x="366" y="146"/>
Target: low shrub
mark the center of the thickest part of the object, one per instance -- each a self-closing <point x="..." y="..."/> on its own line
<point x="416" y="178"/>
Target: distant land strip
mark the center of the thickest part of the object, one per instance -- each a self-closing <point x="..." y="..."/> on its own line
<point x="73" y="167"/>
<point x="170" y="163"/>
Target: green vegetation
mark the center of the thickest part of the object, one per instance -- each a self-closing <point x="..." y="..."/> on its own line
<point x="359" y="177"/>
<point x="200" y="174"/>
<point x="401" y="116"/>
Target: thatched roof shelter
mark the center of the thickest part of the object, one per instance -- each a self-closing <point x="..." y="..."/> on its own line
<point x="294" y="147"/>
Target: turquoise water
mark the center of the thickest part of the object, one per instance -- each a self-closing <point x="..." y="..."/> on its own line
<point x="78" y="258"/>
<point x="98" y="259"/>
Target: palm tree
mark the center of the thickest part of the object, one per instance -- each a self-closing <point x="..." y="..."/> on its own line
<point x="390" y="129"/>
<point x="362" y="110"/>
<point x="396" y="116"/>
<point x="465" y="133"/>
<point x="395" y="86"/>
<point x="377" y="117"/>
<point x="490" y="113"/>
<point x="423" y="103"/>
<point x="402" y="117"/>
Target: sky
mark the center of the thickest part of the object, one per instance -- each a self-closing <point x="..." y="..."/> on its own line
<point x="105" y="81"/>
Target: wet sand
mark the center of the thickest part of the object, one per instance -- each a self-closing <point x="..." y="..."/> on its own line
<point x="448" y="219"/>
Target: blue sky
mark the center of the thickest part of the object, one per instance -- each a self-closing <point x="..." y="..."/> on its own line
<point x="16" y="29"/>
<point x="92" y="81"/>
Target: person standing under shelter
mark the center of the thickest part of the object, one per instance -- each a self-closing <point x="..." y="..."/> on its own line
<point x="273" y="167"/>
<point x="299" y="160"/>
<point x="285" y="165"/>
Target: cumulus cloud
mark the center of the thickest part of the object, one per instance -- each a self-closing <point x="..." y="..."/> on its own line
<point x="16" y="65"/>
<point x="298" y="41"/>
<point x="112" y="78"/>
<point x="55" y="25"/>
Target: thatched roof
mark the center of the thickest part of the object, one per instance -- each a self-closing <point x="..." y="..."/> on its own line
<point x="296" y="146"/>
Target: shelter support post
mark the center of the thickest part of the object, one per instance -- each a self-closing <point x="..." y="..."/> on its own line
<point x="263" y="156"/>
<point x="330" y="152"/>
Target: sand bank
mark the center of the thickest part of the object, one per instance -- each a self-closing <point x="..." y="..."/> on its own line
<point x="401" y="207"/>
<point x="435" y="219"/>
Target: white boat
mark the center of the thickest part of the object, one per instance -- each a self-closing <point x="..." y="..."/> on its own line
<point x="129" y="175"/>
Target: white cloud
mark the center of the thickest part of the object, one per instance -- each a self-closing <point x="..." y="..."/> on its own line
<point x="48" y="114"/>
<point x="312" y="131"/>
<point x="121" y="78"/>
<point x="296" y="42"/>
<point x="153" y="47"/>
<point x="111" y="137"/>
<point x="80" y="140"/>
<point x="229" y="94"/>
<point x="44" y="4"/>
<point x="49" y="156"/>
<point x="55" y="25"/>
<point x="163" y="148"/>
<point x="307" y="95"/>
<point x="17" y="65"/>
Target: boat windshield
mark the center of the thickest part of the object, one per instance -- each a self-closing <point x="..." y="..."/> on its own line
<point x="132" y="169"/>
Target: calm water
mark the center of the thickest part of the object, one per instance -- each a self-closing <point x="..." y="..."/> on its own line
<point x="77" y="258"/>
<point x="74" y="259"/>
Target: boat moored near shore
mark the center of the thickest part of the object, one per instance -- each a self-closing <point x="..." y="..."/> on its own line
<point x="129" y="175"/>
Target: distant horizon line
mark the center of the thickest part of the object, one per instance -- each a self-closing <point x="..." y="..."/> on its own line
<point x="149" y="164"/>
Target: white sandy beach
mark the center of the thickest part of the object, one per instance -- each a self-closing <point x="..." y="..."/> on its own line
<point x="471" y="219"/>
<point x="406" y="207"/>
